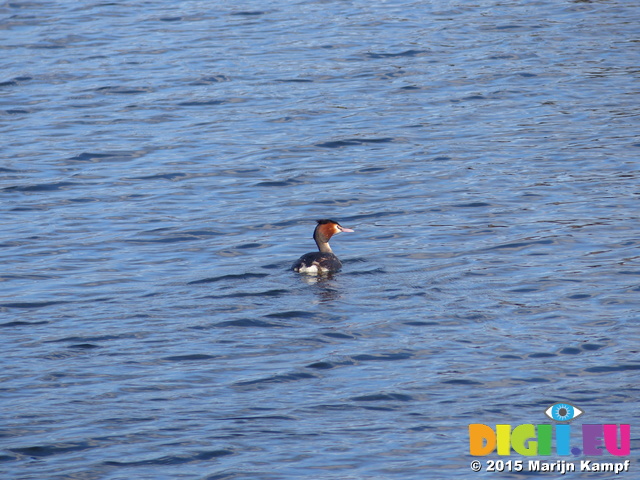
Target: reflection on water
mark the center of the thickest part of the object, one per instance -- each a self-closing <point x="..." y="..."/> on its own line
<point x="324" y="287"/>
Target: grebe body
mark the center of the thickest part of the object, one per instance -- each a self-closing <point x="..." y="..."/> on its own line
<point x="323" y="261"/>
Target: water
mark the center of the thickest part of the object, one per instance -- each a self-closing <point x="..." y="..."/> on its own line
<point x="163" y="167"/>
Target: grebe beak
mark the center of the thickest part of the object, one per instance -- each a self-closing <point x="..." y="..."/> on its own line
<point x="342" y="229"/>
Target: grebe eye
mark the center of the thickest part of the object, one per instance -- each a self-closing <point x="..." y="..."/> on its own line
<point x="563" y="412"/>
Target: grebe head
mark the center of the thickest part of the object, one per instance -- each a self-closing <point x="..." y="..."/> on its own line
<point x="327" y="229"/>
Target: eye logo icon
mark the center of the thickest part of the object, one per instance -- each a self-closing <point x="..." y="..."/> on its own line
<point x="563" y="412"/>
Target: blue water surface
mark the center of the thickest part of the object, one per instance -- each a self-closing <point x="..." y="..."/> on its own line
<point x="163" y="165"/>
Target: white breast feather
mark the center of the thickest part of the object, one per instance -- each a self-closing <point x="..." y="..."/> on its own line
<point x="313" y="268"/>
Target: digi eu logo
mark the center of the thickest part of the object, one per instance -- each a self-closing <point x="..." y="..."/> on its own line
<point x="563" y="412"/>
<point x="528" y="439"/>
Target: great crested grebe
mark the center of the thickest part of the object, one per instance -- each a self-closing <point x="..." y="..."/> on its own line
<point x="325" y="260"/>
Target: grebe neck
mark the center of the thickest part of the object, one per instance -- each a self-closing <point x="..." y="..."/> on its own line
<point x="321" y="235"/>
<point x="324" y="247"/>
